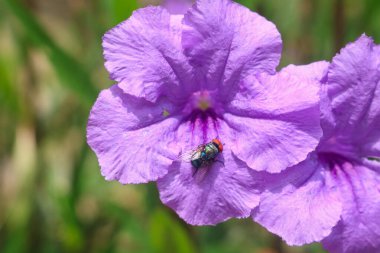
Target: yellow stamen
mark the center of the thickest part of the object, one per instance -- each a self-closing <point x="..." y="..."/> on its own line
<point x="165" y="113"/>
<point x="203" y="104"/>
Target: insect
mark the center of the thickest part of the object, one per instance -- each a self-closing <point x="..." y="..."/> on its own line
<point x="204" y="155"/>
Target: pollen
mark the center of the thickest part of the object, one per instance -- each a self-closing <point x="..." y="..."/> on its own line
<point x="203" y="104"/>
<point x="165" y="113"/>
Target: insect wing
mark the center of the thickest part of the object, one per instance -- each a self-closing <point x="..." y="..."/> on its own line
<point x="187" y="156"/>
<point x="200" y="174"/>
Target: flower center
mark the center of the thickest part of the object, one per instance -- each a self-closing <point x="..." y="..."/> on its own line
<point x="202" y="116"/>
<point x="165" y="113"/>
<point x="202" y="101"/>
<point x="204" y="104"/>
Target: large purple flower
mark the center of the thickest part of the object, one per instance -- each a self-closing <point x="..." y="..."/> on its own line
<point x="334" y="195"/>
<point x="185" y="79"/>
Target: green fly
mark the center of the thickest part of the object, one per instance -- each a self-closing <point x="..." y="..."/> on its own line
<point x="204" y="155"/>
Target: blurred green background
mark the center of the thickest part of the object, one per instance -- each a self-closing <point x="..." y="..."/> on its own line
<point x="52" y="196"/>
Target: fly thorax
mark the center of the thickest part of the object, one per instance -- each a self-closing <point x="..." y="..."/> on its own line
<point x="211" y="150"/>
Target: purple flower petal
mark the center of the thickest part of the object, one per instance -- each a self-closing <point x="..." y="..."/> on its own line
<point x="359" y="229"/>
<point x="277" y="117"/>
<point x="131" y="137"/>
<point x="226" y="41"/>
<point x="177" y="6"/>
<point x="350" y="120"/>
<point x="354" y="91"/>
<point x="304" y="204"/>
<point x="211" y="195"/>
<point x="144" y="55"/>
<point x="184" y="81"/>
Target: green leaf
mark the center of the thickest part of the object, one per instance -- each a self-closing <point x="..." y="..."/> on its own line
<point x="120" y="10"/>
<point x="69" y="70"/>
<point x="247" y="3"/>
<point x="73" y="75"/>
<point x="8" y="94"/>
<point x="167" y="235"/>
<point x="123" y="9"/>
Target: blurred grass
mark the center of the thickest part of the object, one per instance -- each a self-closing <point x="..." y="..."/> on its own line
<point x="8" y="92"/>
<point x="52" y="197"/>
<point x="69" y="70"/>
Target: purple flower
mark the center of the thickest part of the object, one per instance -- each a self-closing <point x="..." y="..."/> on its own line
<point x="177" y="6"/>
<point x="183" y="80"/>
<point x="334" y="195"/>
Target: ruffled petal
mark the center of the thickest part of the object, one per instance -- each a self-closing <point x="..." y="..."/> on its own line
<point x="226" y="41"/>
<point x="359" y="229"/>
<point x="370" y="154"/>
<point x="354" y="91"/>
<point x="132" y="137"/>
<point x="302" y="204"/>
<point x="143" y="54"/>
<point x="213" y="194"/>
<point x="177" y="6"/>
<point x="277" y="117"/>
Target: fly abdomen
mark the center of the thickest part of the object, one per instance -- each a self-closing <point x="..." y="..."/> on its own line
<point x="197" y="163"/>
